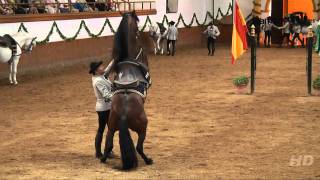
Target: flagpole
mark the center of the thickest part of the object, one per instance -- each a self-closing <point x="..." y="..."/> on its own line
<point x="213" y="10"/>
<point x="233" y="3"/>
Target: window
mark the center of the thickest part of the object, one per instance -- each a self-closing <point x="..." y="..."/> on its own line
<point x="172" y="6"/>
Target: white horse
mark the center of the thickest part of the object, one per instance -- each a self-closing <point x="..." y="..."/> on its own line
<point x="157" y="38"/>
<point x="24" y="43"/>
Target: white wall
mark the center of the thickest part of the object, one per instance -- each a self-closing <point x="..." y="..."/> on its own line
<point x="69" y="27"/>
<point x="245" y="6"/>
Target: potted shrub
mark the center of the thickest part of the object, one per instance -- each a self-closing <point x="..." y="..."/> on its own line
<point x="241" y="84"/>
<point x="316" y="85"/>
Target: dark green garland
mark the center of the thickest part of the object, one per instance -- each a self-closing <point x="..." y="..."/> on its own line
<point x="107" y="22"/>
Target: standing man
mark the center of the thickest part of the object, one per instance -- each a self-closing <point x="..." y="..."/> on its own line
<point x="267" y="26"/>
<point x="286" y="32"/>
<point x="296" y="28"/>
<point x="102" y="89"/>
<point x="212" y="33"/>
<point x="172" y="36"/>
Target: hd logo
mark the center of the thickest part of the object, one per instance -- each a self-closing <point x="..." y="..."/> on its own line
<point x="301" y="160"/>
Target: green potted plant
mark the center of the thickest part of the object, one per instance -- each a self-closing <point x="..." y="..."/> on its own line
<point x="316" y="85"/>
<point x="241" y="83"/>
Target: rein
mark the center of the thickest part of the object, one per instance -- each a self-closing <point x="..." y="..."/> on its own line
<point x="127" y="61"/>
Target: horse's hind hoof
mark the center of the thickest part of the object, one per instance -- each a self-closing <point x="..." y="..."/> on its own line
<point x="149" y="161"/>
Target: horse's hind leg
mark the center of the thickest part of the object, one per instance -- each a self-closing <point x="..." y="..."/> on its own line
<point x="141" y="138"/>
<point x="108" y="146"/>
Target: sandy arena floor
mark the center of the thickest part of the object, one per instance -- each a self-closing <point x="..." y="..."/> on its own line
<point x="199" y="128"/>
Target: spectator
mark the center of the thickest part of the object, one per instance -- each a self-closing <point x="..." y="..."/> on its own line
<point x="101" y="5"/>
<point x="73" y="8"/>
<point x="51" y="7"/>
<point x="91" y="4"/>
<point x="82" y="6"/>
<point x="2" y="10"/>
<point x="33" y="8"/>
<point x="22" y="7"/>
<point x="39" y="4"/>
<point x="5" y="7"/>
<point x="110" y="5"/>
<point x="63" y="6"/>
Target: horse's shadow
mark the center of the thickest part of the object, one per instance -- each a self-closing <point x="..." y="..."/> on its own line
<point x="78" y="160"/>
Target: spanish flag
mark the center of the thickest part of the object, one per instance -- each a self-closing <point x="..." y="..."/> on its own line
<point x="239" y="33"/>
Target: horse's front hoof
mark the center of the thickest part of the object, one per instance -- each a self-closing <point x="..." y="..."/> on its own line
<point x="149" y="161"/>
<point x="15" y="83"/>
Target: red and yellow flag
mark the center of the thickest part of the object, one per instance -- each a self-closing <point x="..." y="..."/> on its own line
<point x="239" y="33"/>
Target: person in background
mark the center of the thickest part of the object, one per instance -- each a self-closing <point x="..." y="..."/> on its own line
<point x="305" y="27"/>
<point x="6" y="7"/>
<point x="39" y="4"/>
<point x="212" y="33"/>
<point x="296" y="28"/>
<point x="172" y="36"/>
<point x="51" y="6"/>
<point x="2" y="10"/>
<point x="91" y="4"/>
<point x="267" y="27"/>
<point x="102" y="89"/>
<point x="33" y="9"/>
<point x="110" y="5"/>
<point x="63" y="6"/>
<point x="22" y="7"/>
<point x="82" y="6"/>
<point x="101" y="5"/>
<point x="285" y="32"/>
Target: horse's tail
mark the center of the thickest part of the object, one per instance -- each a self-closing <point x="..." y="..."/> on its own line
<point x="128" y="152"/>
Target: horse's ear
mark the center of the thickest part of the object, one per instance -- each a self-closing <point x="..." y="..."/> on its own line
<point x="134" y="14"/>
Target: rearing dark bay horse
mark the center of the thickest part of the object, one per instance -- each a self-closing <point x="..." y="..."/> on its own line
<point x="131" y="83"/>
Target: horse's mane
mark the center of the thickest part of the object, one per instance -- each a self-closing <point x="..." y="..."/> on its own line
<point x="121" y="39"/>
<point x="22" y="35"/>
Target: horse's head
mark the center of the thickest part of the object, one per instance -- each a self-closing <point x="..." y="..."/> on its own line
<point x="29" y="44"/>
<point x="126" y="40"/>
<point x="25" y="41"/>
<point x="152" y="30"/>
<point x="132" y="20"/>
